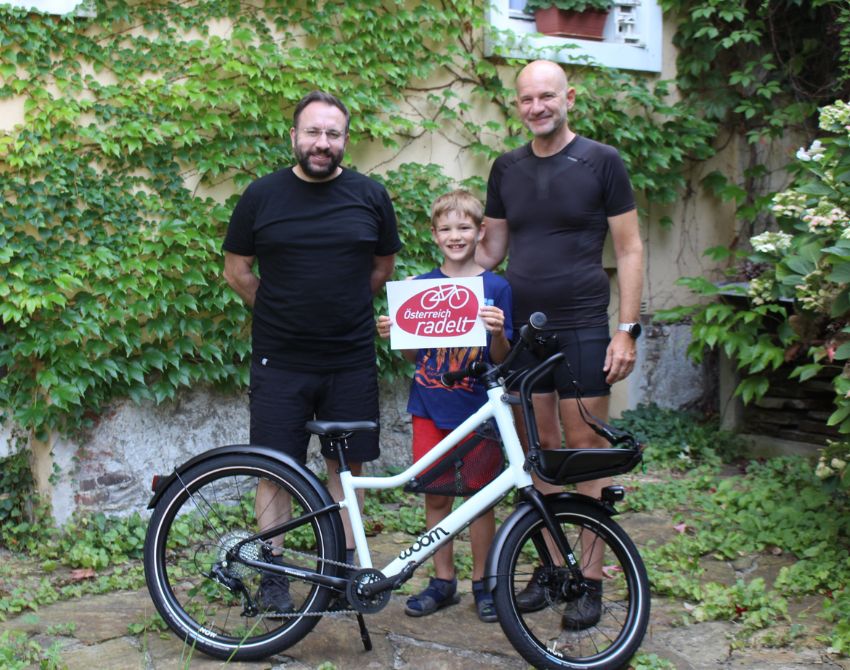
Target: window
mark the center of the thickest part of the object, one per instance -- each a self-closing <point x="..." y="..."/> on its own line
<point x="631" y="41"/>
<point x="77" y="7"/>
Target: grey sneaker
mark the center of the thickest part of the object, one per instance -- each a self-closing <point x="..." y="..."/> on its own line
<point x="275" y="600"/>
<point x="586" y="610"/>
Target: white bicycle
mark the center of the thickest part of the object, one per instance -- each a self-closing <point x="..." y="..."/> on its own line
<point x="204" y="557"/>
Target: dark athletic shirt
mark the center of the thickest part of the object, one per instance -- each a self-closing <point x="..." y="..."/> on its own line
<point x="315" y="244"/>
<point x="557" y="210"/>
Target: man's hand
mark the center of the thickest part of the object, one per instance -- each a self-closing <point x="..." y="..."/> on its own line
<point x="620" y="357"/>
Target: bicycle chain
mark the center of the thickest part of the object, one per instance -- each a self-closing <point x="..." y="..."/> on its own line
<point x="313" y="557"/>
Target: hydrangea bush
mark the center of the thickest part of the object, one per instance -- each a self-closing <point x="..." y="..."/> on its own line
<point x="797" y="297"/>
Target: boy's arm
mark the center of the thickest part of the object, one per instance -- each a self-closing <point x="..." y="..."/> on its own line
<point x="494" y="322"/>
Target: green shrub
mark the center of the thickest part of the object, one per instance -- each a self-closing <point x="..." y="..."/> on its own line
<point x="678" y="439"/>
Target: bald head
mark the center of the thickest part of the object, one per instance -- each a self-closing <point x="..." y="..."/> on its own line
<point x="544" y="69"/>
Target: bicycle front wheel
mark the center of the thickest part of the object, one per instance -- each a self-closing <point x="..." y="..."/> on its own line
<point x="195" y="539"/>
<point x="565" y="630"/>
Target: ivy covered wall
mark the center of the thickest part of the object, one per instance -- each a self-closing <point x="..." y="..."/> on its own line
<point x="139" y="123"/>
<point x="127" y="135"/>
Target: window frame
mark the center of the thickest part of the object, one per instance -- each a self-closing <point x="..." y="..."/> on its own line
<point x="514" y="36"/>
<point x="84" y="8"/>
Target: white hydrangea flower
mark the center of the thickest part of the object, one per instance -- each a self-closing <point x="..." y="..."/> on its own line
<point x="771" y="242"/>
<point x="823" y="471"/>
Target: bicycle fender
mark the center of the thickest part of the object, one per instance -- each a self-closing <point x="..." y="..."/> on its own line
<point x="522" y="510"/>
<point x="244" y="449"/>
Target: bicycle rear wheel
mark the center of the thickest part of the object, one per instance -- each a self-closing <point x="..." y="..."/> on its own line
<point x="213" y="601"/>
<point x="547" y="638"/>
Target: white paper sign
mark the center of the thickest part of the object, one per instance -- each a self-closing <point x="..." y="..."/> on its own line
<point x="436" y="313"/>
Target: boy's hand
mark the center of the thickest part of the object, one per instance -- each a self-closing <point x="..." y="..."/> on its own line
<point x="493" y="318"/>
<point x="383" y="323"/>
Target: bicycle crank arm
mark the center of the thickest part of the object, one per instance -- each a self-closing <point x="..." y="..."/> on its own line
<point x="389" y="583"/>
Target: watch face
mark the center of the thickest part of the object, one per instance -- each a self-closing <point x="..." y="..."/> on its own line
<point x="632" y="329"/>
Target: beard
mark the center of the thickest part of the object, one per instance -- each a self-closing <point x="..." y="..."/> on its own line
<point x="303" y="158"/>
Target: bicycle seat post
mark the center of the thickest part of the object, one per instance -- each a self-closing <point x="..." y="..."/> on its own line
<point x="339" y="444"/>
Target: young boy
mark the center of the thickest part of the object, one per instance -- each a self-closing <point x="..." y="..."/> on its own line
<point x="456" y="228"/>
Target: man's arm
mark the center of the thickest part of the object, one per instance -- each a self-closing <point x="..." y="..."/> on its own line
<point x="628" y="248"/>
<point x="493" y="244"/>
<point x="239" y="273"/>
<point x="382" y="270"/>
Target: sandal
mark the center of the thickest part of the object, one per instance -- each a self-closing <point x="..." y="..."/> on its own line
<point x="484" y="603"/>
<point x="440" y="593"/>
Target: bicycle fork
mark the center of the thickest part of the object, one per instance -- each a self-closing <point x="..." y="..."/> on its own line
<point x="536" y="499"/>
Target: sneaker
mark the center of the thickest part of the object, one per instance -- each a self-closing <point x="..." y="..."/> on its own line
<point x="275" y="600"/>
<point x="533" y="596"/>
<point x="586" y="610"/>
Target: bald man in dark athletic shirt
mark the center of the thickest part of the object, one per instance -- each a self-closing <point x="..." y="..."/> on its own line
<point x="550" y="205"/>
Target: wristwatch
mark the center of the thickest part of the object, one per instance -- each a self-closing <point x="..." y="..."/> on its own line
<point x="632" y="329"/>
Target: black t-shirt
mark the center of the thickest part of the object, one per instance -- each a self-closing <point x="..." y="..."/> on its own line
<point x="557" y="210"/>
<point x="315" y="244"/>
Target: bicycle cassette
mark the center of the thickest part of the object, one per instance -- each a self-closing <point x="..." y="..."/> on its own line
<point x="248" y="551"/>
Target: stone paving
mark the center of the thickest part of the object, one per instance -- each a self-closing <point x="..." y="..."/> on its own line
<point x="452" y="639"/>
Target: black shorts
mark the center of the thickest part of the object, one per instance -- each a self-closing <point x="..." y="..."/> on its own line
<point x="585" y="350"/>
<point x="283" y="401"/>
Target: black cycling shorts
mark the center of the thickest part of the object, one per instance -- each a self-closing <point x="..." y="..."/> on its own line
<point x="283" y="401"/>
<point x="584" y="350"/>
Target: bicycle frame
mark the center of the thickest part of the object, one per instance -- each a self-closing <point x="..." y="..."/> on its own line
<point x="514" y="476"/>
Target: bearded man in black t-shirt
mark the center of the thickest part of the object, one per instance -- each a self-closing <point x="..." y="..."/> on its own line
<point x="550" y="205"/>
<point x="324" y="240"/>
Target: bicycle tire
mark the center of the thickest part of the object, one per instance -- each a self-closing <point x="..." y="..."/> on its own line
<point x="207" y="510"/>
<point x="540" y="637"/>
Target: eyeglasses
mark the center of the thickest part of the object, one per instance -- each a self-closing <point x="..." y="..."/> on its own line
<point x="315" y="133"/>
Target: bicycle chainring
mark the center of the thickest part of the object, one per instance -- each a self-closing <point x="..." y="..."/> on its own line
<point x="360" y="602"/>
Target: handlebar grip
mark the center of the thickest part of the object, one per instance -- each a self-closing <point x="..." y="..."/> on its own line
<point x="474" y="370"/>
<point x="537" y="321"/>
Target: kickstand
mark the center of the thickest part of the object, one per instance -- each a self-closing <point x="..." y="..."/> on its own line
<point x="364" y="634"/>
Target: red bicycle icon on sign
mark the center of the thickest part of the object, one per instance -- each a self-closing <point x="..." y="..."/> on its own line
<point x="452" y="294"/>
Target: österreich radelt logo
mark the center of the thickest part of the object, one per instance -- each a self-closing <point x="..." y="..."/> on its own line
<point x="442" y="310"/>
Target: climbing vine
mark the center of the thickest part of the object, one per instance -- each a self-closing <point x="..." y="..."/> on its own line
<point x="139" y="125"/>
<point x="764" y="69"/>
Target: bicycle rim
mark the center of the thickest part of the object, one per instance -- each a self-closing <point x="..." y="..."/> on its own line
<point x="550" y="636"/>
<point x="191" y="539"/>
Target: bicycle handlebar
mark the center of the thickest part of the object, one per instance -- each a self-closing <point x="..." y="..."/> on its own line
<point x="527" y="337"/>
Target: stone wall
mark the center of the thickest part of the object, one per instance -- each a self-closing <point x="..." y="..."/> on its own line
<point x="665" y="376"/>
<point x="110" y="469"/>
